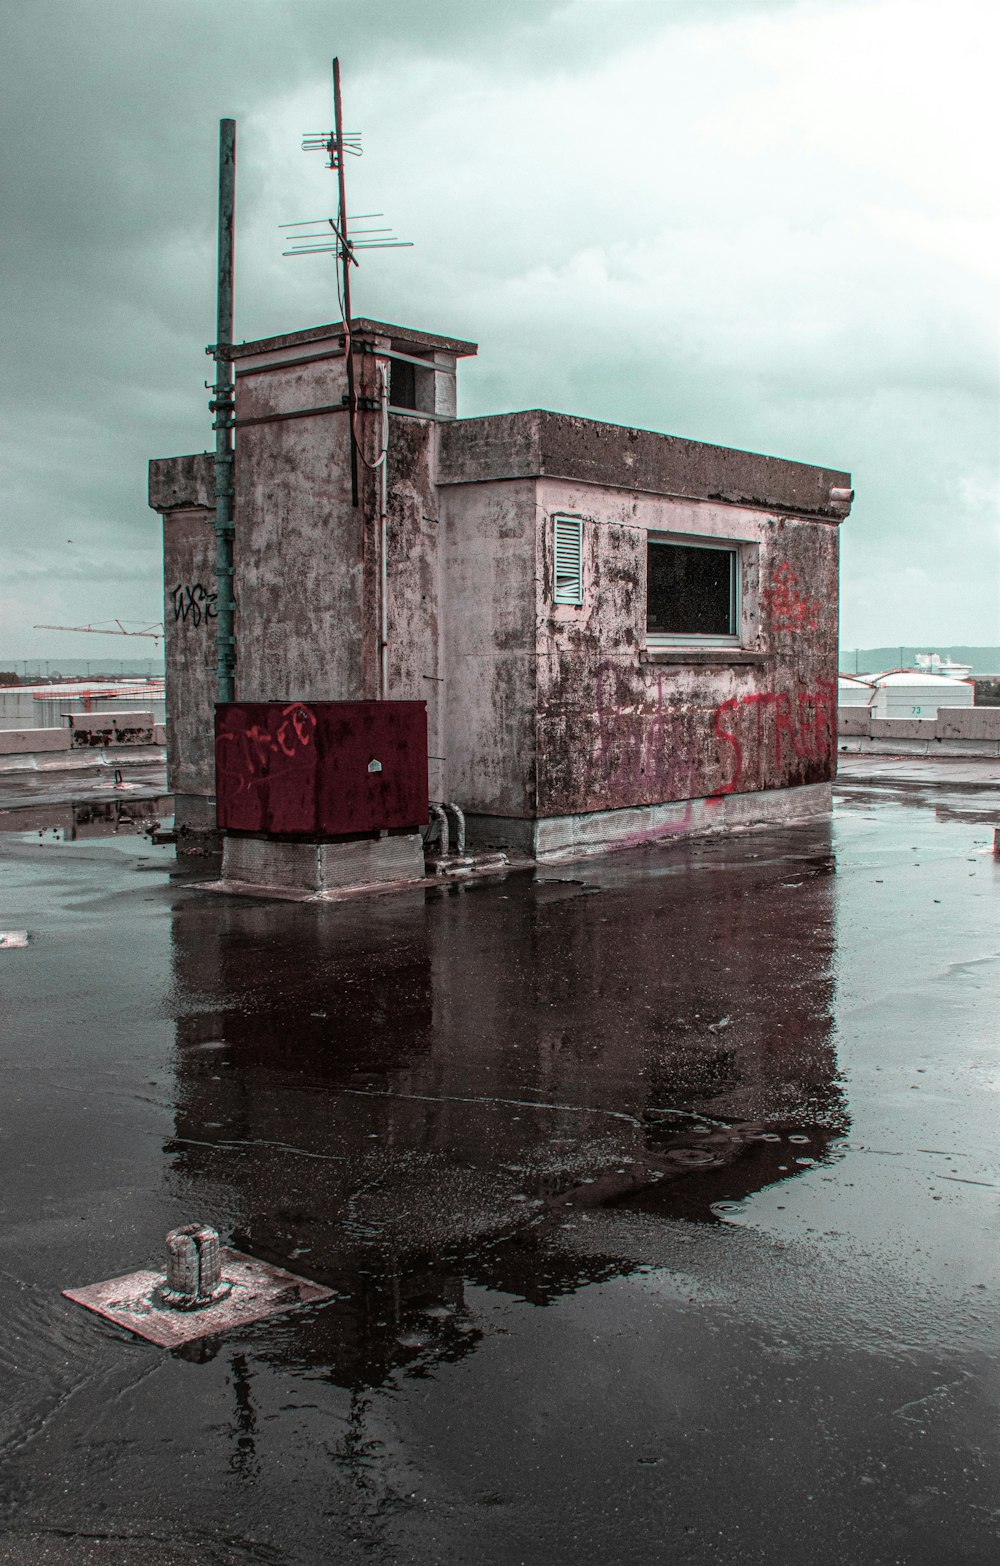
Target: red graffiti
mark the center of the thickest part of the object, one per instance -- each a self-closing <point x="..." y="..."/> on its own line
<point x="789" y="608"/>
<point x="250" y="750"/>
<point x="793" y="736"/>
<point x="649" y="742"/>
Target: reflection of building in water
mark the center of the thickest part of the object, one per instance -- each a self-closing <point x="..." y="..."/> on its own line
<point x="402" y="1101"/>
<point x="89" y="818"/>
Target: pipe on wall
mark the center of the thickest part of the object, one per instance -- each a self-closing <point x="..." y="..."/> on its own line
<point x="383" y="507"/>
<point x="452" y="809"/>
<point x="222" y="406"/>
<point x="438" y="828"/>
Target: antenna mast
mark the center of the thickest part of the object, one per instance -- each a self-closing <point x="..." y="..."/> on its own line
<point x="346" y="258"/>
<point x="339" y="144"/>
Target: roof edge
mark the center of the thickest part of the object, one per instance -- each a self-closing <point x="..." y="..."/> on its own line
<point x="360" y="325"/>
<point x="540" y="443"/>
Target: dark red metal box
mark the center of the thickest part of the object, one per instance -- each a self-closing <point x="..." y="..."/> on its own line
<point x="320" y="768"/>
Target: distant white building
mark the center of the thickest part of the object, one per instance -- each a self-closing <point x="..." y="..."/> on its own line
<point x="933" y="663"/>
<point x="905" y="693"/>
<point x="852" y="691"/>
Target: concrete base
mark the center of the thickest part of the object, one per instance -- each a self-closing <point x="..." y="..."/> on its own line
<point x="316" y="868"/>
<point x="256" y="1290"/>
<point x="598" y="831"/>
<point x="195" y="825"/>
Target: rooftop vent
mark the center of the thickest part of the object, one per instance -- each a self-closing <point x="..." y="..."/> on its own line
<point x="568" y="560"/>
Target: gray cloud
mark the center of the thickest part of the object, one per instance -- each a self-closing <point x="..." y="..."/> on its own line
<point x="729" y="219"/>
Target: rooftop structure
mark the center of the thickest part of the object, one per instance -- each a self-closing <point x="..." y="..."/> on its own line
<point x="617" y="633"/>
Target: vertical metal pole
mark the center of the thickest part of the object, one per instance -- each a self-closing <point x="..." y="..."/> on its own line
<point x="222" y="406"/>
<point x="345" y="260"/>
<point x="383" y="545"/>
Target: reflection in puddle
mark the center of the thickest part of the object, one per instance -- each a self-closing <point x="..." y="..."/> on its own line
<point x="68" y="823"/>
<point x="405" y="1099"/>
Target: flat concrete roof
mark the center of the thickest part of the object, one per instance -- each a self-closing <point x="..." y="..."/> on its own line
<point x="537" y="443"/>
<point x="403" y="337"/>
<point x="714" y="1244"/>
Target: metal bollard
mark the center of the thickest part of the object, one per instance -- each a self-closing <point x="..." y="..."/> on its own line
<point x="194" y="1269"/>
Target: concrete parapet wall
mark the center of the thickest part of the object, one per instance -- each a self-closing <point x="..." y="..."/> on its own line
<point x="901" y="728"/>
<point x="969" y="723"/>
<point x="959" y="731"/>
<point x="88" y="730"/>
<point x="88" y="759"/>
<point x="30" y="742"/>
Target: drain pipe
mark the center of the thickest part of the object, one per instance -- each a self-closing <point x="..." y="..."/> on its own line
<point x="383" y="547"/>
<point x="453" y="810"/>
<point x="439" y="820"/>
<point x="221" y="406"/>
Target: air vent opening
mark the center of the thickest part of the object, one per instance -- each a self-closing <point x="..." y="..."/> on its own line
<point x="568" y="560"/>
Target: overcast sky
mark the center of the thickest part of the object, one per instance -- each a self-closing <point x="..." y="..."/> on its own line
<point x="770" y="224"/>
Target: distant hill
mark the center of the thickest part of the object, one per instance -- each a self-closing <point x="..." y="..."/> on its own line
<point x="871" y="660"/>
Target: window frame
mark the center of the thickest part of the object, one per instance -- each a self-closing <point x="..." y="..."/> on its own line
<point x="731" y="546"/>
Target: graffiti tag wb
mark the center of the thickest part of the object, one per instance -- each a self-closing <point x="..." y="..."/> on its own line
<point x="193" y="602"/>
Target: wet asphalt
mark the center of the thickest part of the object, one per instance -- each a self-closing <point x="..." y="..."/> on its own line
<point x="659" y="1196"/>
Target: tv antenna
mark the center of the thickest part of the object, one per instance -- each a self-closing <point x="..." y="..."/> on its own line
<point x="333" y="236"/>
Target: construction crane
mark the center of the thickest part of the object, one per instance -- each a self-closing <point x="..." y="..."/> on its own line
<point x="155" y="631"/>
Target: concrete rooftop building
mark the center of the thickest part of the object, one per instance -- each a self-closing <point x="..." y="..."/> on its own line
<point x="618" y="634"/>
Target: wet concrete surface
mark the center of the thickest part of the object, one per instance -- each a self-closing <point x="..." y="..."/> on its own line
<point x="659" y="1197"/>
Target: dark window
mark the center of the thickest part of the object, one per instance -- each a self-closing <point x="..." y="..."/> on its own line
<point x="691" y="590"/>
<point x="402" y="384"/>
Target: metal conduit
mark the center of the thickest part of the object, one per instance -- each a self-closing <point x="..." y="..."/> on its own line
<point x="439" y="823"/>
<point x="453" y="810"/>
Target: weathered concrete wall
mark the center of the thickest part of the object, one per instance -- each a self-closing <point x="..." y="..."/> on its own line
<point x="91" y="730"/>
<point x="298" y="538"/>
<point x="620" y="725"/>
<point x="488" y="598"/>
<point x="189" y="630"/>
<point x="416" y="666"/>
<point x="556" y="445"/>
<point x="30" y="742"/>
<point x="534" y="710"/>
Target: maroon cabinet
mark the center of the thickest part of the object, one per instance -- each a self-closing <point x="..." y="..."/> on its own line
<point x="320" y="768"/>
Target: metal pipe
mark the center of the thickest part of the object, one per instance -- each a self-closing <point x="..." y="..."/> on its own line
<point x="383" y="492"/>
<point x="439" y="820"/>
<point x="222" y="407"/>
<point x="459" y="825"/>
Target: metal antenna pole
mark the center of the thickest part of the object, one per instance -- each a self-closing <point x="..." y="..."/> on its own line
<point x="345" y="261"/>
<point x="222" y="406"/>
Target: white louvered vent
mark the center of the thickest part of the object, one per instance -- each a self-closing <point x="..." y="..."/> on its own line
<point x="569" y="560"/>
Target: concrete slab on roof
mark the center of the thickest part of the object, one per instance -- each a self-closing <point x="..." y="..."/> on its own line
<point x="402" y="337"/>
<point x="177" y="483"/>
<point x="256" y="1290"/>
<point x="537" y="443"/>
